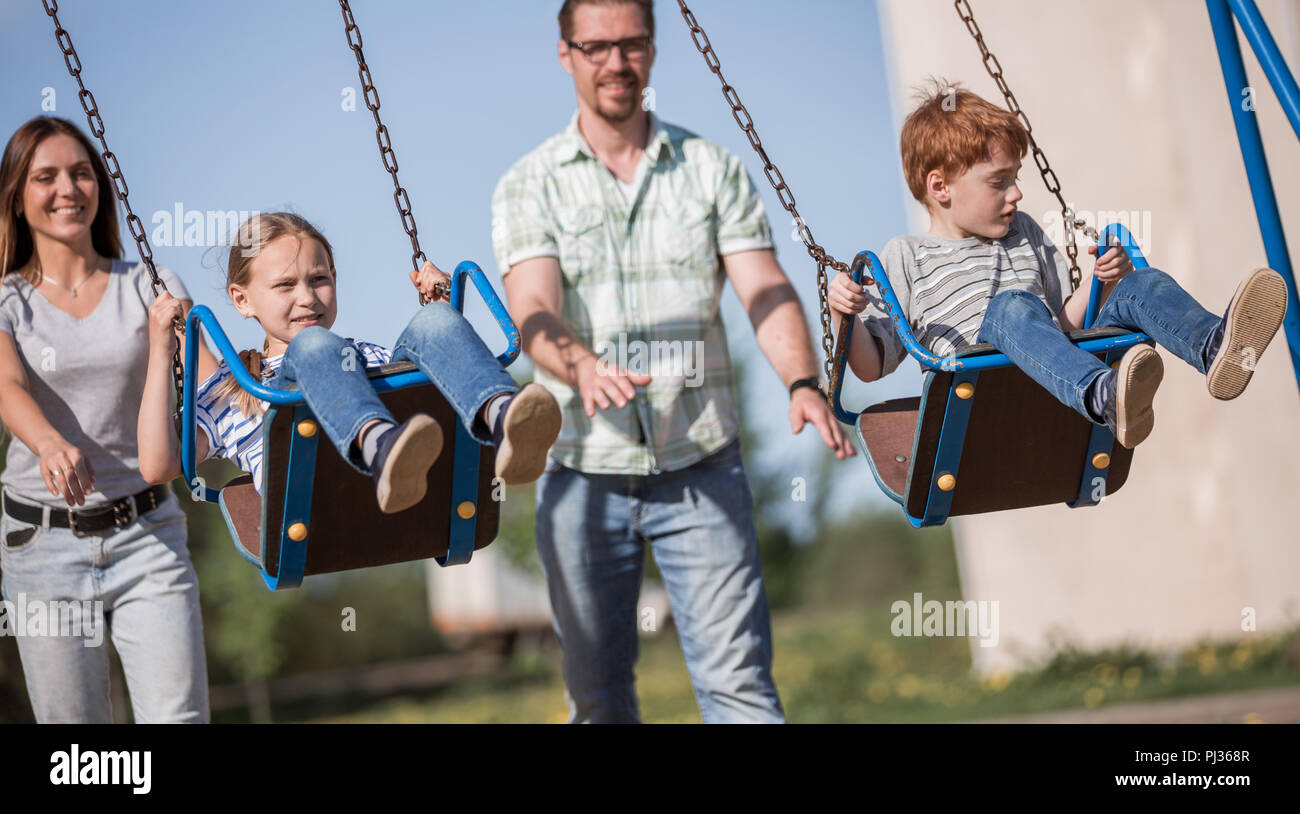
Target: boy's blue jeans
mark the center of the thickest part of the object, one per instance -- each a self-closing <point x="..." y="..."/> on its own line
<point x="1019" y="325"/>
<point x="331" y="373"/>
<point x="592" y="532"/>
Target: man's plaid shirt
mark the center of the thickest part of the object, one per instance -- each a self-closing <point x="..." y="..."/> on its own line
<point x="640" y="270"/>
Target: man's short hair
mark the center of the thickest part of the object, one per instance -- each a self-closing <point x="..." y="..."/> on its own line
<point x="953" y="129"/>
<point x="570" y="6"/>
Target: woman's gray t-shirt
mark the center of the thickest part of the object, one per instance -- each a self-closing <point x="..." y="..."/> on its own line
<point x="87" y="376"/>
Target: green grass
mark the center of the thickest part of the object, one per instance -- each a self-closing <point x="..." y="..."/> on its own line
<point x="842" y="665"/>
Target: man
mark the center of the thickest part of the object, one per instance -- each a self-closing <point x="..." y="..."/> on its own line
<point x="608" y="236"/>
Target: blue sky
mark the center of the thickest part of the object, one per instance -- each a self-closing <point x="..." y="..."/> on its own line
<point x="238" y="106"/>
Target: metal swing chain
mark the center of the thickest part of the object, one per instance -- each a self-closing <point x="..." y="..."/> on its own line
<point x="1072" y="221"/>
<point x="386" y="154"/>
<point x="783" y="193"/>
<point x="133" y="223"/>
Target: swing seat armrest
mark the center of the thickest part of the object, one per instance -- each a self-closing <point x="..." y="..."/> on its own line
<point x="504" y="321"/>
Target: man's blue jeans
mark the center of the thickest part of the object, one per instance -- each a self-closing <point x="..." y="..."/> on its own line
<point x="331" y="373"/>
<point x="592" y="531"/>
<point x="1019" y="325"/>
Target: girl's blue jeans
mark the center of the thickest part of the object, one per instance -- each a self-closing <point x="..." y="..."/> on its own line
<point x="1019" y="325"/>
<point x="331" y="373"/>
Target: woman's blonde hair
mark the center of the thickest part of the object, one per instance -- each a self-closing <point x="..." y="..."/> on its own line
<point x="253" y="235"/>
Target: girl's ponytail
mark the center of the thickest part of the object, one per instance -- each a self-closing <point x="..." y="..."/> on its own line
<point x="245" y="402"/>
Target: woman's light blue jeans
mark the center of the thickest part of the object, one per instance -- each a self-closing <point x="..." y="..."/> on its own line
<point x="592" y="531"/>
<point x="330" y="371"/>
<point x="1019" y="325"/>
<point x="136" y="584"/>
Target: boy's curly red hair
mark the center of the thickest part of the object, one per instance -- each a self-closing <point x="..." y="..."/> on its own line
<point x="952" y="129"/>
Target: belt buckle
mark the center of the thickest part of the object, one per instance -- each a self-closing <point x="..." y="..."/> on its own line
<point x="121" y="521"/>
<point x="122" y="517"/>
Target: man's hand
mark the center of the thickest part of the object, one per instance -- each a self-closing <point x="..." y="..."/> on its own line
<point x="600" y="384"/>
<point x="427" y="278"/>
<point x="808" y="405"/>
<point x="1111" y="266"/>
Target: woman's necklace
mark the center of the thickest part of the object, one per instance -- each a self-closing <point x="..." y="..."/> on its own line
<point x="74" y="288"/>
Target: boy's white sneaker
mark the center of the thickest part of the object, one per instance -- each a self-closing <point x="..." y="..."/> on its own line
<point x="1130" y="390"/>
<point x="1252" y="319"/>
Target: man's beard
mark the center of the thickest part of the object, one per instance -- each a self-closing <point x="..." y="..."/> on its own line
<point x="615" y="111"/>
<point x="618" y="114"/>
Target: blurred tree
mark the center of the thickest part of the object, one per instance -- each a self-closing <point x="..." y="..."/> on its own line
<point x="779" y="494"/>
<point x="243" y="622"/>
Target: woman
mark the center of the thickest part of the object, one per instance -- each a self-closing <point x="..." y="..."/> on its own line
<point x="82" y="534"/>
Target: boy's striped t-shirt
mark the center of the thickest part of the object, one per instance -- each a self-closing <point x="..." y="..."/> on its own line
<point x="238" y="437"/>
<point x="944" y="285"/>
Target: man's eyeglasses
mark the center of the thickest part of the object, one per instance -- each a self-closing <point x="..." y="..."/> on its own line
<point x="633" y="48"/>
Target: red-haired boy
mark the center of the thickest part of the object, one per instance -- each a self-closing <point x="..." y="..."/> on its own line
<point x="986" y="272"/>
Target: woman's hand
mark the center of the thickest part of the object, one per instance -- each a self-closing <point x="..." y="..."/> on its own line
<point x="427" y="278"/>
<point x="162" y="314"/>
<point x="66" y="472"/>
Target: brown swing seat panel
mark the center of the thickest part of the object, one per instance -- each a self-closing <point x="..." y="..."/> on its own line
<point x="346" y="530"/>
<point x="1023" y="447"/>
<point x="244" y="506"/>
<point x="889" y="430"/>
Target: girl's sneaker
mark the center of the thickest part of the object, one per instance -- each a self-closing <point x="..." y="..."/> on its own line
<point x="1249" y="324"/>
<point x="402" y="461"/>
<point x="527" y="425"/>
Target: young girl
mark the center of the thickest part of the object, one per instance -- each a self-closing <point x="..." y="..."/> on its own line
<point x="281" y="273"/>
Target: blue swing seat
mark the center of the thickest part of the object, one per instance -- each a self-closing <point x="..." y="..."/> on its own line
<point x="319" y="514"/>
<point x="982" y="436"/>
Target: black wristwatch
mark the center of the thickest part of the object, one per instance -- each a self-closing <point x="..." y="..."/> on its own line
<point x="812" y="381"/>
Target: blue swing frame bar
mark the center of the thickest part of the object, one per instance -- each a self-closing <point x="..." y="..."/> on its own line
<point x="966" y="371"/>
<point x="302" y="449"/>
<point x="1222" y="13"/>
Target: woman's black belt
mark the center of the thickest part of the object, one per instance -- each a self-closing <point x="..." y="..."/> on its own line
<point x="116" y="515"/>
